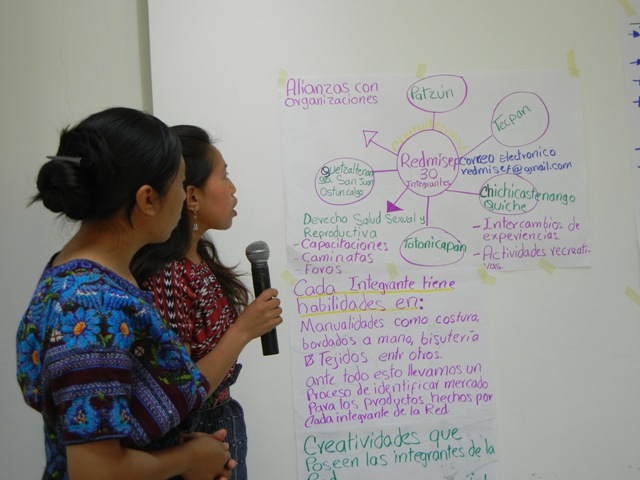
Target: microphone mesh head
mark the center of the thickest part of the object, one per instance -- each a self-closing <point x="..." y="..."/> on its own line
<point x="257" y="252"/>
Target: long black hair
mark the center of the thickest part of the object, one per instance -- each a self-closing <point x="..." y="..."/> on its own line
<point x="196" y="147"/>
<point x="103" y="161"/>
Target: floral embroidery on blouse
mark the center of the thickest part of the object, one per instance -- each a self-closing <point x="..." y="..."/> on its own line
<point x="97" y="360"/>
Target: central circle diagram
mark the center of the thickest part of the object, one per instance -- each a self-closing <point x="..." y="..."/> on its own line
<point x="428" y="164"/>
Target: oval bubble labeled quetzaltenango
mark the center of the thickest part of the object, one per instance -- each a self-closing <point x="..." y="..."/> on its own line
<point x="432" y="247"/>
<point x="508" y="194"/>
<point x="344" y="181"/>
<point x="438" y="93"/>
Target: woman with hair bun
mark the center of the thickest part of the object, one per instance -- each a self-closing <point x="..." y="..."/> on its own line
<point x="94" y="357"/>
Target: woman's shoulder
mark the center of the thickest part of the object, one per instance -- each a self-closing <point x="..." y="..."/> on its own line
<point x="81" y="277"/>
<point x="89" y="286"/>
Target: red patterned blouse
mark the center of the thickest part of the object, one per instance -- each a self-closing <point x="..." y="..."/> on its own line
<point x="190" y="298"/>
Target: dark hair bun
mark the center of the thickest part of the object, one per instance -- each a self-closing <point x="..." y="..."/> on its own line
<point x="61" y="189"/>
<point x="69" y="187"/>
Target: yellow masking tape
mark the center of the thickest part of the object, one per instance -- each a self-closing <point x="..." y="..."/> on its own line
<point x="287" y="277"/>
<point x="633" y="295"/>
<point x="421" y="70"/>
<point x="485" y="277"/>
<point x="626" y="6"/>
<point x="571" y="62"/>
<point x="547" y="265"/>
<point x="393" y="271"/>
<point x="282" y="78"/>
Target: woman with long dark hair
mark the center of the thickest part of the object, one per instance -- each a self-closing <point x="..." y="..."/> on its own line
<point x="204" y="300"/>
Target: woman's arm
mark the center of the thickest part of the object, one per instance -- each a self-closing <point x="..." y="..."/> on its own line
<point x="260" y="316"/>
<point x="200" y="457"/>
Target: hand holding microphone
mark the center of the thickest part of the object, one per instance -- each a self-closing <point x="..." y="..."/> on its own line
<point x="258" y="254"/>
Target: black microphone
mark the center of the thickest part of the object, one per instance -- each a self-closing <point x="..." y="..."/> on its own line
<point x="258" y="254"/>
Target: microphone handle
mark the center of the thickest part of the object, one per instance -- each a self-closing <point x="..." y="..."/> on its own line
<point x="262" y="281"/>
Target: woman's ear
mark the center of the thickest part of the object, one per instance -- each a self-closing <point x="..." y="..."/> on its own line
<point x="192" y="198"/>
<point x="148" y="200"/>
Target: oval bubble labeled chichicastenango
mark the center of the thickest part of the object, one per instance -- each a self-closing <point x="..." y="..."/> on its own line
<point x="438" y="93"/>
<point x="344" y="181"/>
<point x="432" y="247"/>
<point x="508" y="194"/>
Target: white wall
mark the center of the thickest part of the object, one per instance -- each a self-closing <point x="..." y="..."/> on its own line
<point x="566" y="345"/>
<point x="567" y="356"/>
<point x="59" y="61"/>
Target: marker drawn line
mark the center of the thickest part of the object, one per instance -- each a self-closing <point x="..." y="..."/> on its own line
<point x="333" y="312"/>
<point x="477" y="146"/>
<point x="432" y="290"/>
<point x="401" y="195"/>
<point x="426" y="211"/>
<point x="385" y="171"/>
<point x="369" y="135"/>
<point x="464" y="193"/>
<point x="385" y="148"/>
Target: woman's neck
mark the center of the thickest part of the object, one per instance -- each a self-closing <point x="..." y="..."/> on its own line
<point x="110" y="245"/>
<point x="192" y="252"/>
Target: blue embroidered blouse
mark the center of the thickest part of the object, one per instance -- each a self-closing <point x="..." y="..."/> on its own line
<point x="99" y="362"/>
